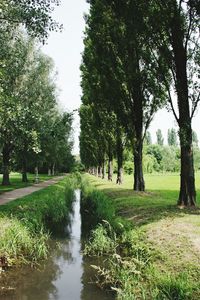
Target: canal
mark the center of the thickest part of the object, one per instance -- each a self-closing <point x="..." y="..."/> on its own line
<point x="65" y="275"/>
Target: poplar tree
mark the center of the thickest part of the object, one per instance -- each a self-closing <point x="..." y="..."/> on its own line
<point x="174" y="30"/>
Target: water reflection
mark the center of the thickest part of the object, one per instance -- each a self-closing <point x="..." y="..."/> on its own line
<point x="65" y="275"/>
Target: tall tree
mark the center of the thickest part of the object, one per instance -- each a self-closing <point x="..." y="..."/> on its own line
<point x="148" y="138"/>
<point x="195" y="138"/>
<point x="12" y="72"/>
<point x="172" y="137"/>
<point x="174" y="29"/>
<point x="159" y="136"/>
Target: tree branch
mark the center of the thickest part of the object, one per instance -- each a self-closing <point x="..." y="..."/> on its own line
<point x="195" y="106"/>
<point x="189" y="29"/>
<point x="148" y="122"/>
<point x="171" y="104"/>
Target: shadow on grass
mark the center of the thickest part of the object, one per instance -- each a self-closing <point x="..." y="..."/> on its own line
<point x="146" y="207"/>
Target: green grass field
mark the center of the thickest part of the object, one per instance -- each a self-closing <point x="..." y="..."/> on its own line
<point x="171" y="231"/>
<point x="16" y="181"/>
<point x="158" y="201"/>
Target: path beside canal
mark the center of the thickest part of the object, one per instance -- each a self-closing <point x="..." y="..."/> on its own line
<point x="19" y="193"/>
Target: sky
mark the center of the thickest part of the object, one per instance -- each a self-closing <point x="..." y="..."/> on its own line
<point x="65" y="48"/>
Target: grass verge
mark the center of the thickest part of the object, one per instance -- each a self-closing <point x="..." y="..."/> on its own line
<point x="26" y="223"/>
<point x="155" y="255"/>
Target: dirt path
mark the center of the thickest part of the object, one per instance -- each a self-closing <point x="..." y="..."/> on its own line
<point x="19" y="193"/>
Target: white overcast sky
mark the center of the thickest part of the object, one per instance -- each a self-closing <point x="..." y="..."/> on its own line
<point x="65" y="48"/>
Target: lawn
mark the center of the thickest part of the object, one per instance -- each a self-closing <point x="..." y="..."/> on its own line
<point x="159" y="199"/>
<point x="173" y="232"/>
<point x="16" y="181"/>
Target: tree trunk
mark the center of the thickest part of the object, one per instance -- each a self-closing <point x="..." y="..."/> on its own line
<point x="93" y="171"/>
<point x="103" y="170"/>
<point x="24" y="170"/>
<point x="110" y="170"/>
<point x="110" y="165"/>
<point x="53" y="170"/>
<point x="36" y="175"/>
<point x="100" y="171"/>
<point x="96" y="171"/>
<point x="24" y="177"/>
<point x="139" y="184"/>
<point x="138" y="122"/>
<point x="49" y="171"/>
<point x="187" y="195"/>
<point x="6" y="160"/>
<point x="119" y="157"/>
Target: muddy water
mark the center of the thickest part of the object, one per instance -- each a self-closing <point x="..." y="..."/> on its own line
<point x="66" y="275"/>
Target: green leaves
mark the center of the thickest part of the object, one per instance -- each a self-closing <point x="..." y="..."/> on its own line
<point x="34" y="14"/>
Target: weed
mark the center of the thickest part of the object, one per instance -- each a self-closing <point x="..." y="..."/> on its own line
<point x="18" y="243"/>
<point x="100" y="243"/>
<point x="169" y="287"/>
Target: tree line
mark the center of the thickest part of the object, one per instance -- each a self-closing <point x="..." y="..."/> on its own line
<point x="34" y="131"/>
<point x="160" y="157"/>
<point x="139" y="56"/>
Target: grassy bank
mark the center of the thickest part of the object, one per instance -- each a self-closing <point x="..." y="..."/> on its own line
<point x="155" y="255"/>
<point x="26" y="223"/>
<point x="16" y="181"/>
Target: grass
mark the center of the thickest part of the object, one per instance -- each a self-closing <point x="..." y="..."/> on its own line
<point x="26" y="223"/>
<point x="16" y="181"/>
<point x="171" y="235"/>
<point x="157" y="202"/>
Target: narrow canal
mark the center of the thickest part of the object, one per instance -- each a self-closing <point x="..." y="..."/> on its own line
<point x="66" y="275"/>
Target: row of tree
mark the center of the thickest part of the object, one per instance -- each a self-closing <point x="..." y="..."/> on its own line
<point x="163" y="158"/>
<point x="139" y="56"/>
<point x="34" y="132"/>
<point x="172" y="138"/>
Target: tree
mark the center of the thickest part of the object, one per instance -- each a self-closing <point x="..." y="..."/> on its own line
<point x="160" y="139"/>
<point x="195" y="138"/>
<point x="14" y="66"/>
<point x="56" y="142"/>
<point x="173" y="27"/>
<point x="172" y="137"/>
<point x="156" y="152"/>
<point x="28" y="106"/>
<point x="37" y="98"/>
<point x="88" y="143"/>
<point x="148" y="138"/>
<point x="124" y="70"/>
<point x="170" y="161"/>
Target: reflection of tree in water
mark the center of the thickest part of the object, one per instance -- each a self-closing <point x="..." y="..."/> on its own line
<point x="30" y="283"/>
<point x="38" y="283"/>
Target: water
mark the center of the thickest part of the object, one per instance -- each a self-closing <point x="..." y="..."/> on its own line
<point x="66" y="275"/>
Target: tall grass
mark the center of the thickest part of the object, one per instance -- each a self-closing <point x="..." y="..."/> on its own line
<point x="26" y="223"/>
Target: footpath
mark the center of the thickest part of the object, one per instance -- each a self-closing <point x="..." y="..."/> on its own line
<point x="19" y="193"/>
